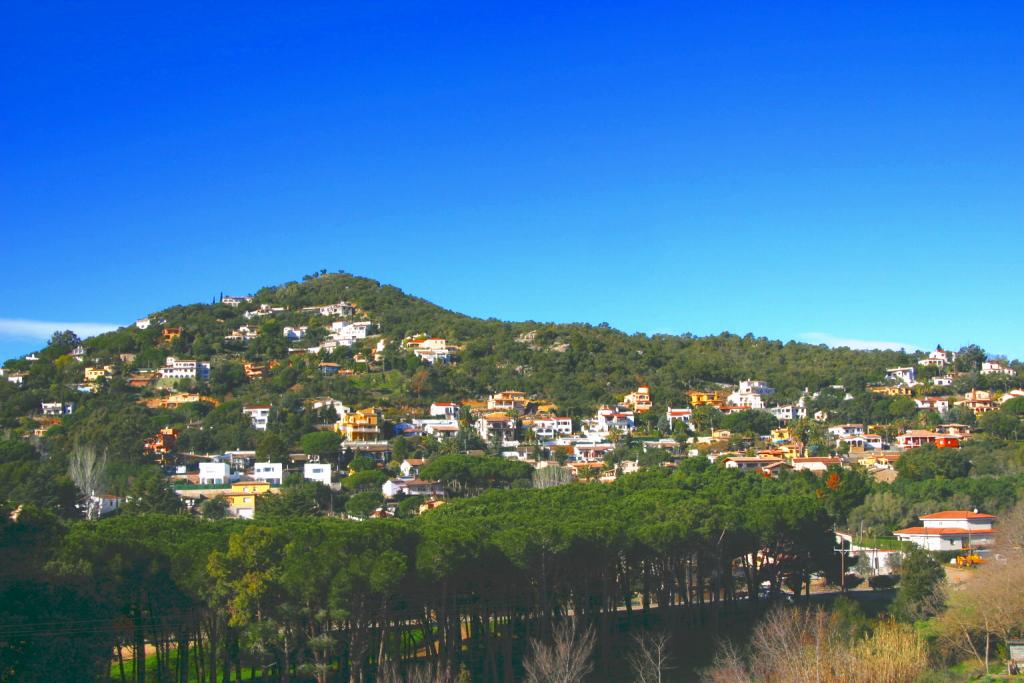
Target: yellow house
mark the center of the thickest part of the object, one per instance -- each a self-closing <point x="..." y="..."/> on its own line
<point x="93" y="374"/>
<point x="706" y="398"/>
<point x="359" y="425"/>
<point x="782" y="434"/>
<point x="640" y="399"/>
<point x="898" y="390"/>
<point x="507" y="400"/>
<point x="242" y="497"/>
<point x="790" y="450"/>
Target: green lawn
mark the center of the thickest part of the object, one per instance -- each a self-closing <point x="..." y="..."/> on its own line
<point x="248" y="673"/>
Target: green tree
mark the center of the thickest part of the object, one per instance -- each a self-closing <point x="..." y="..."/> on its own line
<point x="323" y="444"/>
<point x="362" y="504"/>
<point x="921" y="579"/>
<point x="150" y="492"/>
<point x="271" y="448"/>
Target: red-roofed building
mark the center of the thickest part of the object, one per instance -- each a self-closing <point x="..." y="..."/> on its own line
<point x="951" y="530"/>
<point x="915" y="438"/>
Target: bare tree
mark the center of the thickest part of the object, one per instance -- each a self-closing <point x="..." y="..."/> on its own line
<point x="87" y="469"/>
<point x="990" y="606"/>
<point x="421" y="672"/>
<point x="565" y="660"/>
<point x="650" y="658"/>
<point x="551" y="476"/>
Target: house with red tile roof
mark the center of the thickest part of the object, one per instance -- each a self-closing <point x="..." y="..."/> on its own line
<point x="951" y="530"/>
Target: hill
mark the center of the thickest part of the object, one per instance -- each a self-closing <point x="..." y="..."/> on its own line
<point x="354" y="339"/>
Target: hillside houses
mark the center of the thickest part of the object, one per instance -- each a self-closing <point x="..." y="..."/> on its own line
<point x="611" y="418"/>
<point x="951" y="530"/>
<point x="977" y="401"/>
<point x="259" y="415"/>
<point x="496" y="427"/>
<point x="342" y="309"/>
<point x="179" y="368"/>
<point x="750" y="394"/>
<point x="345" y="333"/>
<point x="679" y="415"/>
<point x="236" y="301"/>
<point x="431" y="350"/>
<point x="997" y="368"/>
<point x="507" y="401"/>
<point x="938" y="358"/>
<point x="640" y="400"/>
<point x="907" y="375"/>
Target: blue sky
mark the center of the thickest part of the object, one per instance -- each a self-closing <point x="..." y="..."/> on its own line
<point x="812" y="171"/>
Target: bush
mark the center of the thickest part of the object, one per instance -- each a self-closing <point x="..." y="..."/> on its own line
<point x="883" y="581"/>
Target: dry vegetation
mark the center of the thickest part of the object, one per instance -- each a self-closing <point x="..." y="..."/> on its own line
<point x="989" y="608"/>
<point x="793" y="645"/>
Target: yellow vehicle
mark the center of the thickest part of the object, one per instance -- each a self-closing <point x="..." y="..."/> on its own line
<point x="971" y="559"/>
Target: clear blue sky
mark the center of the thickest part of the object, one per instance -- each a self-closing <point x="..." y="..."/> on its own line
<point x="817" y="171"/>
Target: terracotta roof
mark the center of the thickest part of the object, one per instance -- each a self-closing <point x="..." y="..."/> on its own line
<point x="939" y="531"/>
<point x="957" y="514"/>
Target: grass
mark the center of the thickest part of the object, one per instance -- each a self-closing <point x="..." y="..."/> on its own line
<point x="248" y="673"/>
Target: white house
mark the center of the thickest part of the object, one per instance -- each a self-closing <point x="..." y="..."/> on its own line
<point x="410" y="467"/>
<point x="235" y="301"/>
<point x="344" y="333"/>
<point x="177" y="368"/>
<point x="750" y="394"/>
<point x="244" y="333"/>
<point x="496" y="425"/>
<point x="1010" y="395"/>
<point x="609" y="418"/>
<point x="684" y="415"/>
<point x="411" y="487"/>
<point x="317" y="471"/>
<point x="263" y="310"/>
<point x="446" y="410"/>
<point x="295" y="332"/>
<point x="16" y="378"/>
<point x="340" y="409"/>
<point x="272" y="472"/>
<point x="56" y="408"/>
<point x="815" y="465"/>
<point x="552" y="427"/>
<point x="747" y="463"/>
<point x="904" y="375"/>
<point x="840" y="431"/>
<point x="939" y="404"/>
<point x="101" y="506"/>
<point x="997" y="368"/>
<point x="214" y="473"/>
<point x="789" y="412"/>
<point x="258" y="415"/>
<point x="951" y="530"/>
<point x="864" y="442"/>
<point x="143" y="323"/>
<point x="442" y="429"/>
<point x="342" y="309"/>
<point x="938" y="358"/>
<point x="432" y="350"/>
<point x="942" y="381"/>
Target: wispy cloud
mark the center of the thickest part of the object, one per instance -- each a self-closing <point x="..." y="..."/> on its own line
<point x="859" y="344"/>
<point x="14" y="328"/>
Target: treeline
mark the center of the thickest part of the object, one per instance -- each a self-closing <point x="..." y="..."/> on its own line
<point x="462" y="588"/>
